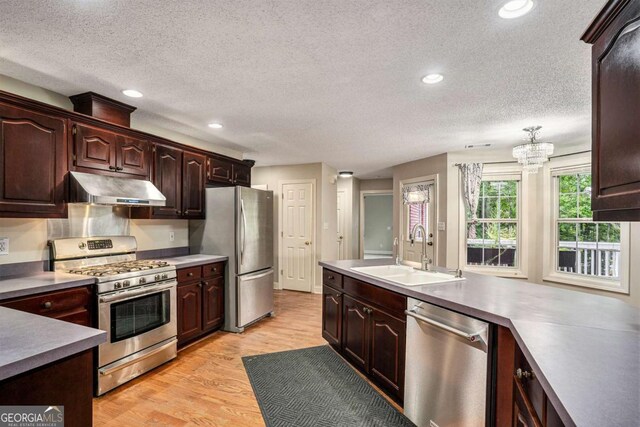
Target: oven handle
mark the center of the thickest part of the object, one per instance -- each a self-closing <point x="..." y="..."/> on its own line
<point x="122" y="296"/>
<point x="109" y="371"/>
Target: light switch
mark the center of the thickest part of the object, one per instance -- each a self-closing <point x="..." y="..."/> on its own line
<point x="4" y="246"/>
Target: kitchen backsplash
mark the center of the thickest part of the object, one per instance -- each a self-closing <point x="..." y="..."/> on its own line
<point x="28" y="237"/>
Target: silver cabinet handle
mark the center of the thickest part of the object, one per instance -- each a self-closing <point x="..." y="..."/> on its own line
<point x="244" y="230"/>
<point x="475" y="337"/>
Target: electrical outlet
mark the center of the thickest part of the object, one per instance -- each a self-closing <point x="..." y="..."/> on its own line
<point x="172" y="236"/>
<point x="4" y="246"/>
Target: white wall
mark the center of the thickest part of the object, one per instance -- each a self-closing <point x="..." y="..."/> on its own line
<point x="325" y="207"/>
<point x="378" y="223"/>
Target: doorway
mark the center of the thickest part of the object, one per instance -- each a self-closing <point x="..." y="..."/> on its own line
<point x="423" y="214"/>
<point x="376" y="219"/>
<point x="297" y="235"/>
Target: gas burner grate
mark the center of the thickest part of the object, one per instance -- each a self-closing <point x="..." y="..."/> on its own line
<point x="119" y="268"/>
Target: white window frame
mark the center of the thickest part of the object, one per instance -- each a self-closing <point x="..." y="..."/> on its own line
<point x="504" y="172"/>
<point x="575" y="164"/>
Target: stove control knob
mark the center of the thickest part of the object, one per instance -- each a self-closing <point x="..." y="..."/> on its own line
<point x="157" y="277"/>
<point x="165" y="276"/>
<point x="117" y="285"/>
<point x="142" y="281"/>
<point x="82" y="245"/>
<point x="126" y="284"/>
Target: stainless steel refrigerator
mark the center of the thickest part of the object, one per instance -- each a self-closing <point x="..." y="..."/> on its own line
<point x="239" y="225"/>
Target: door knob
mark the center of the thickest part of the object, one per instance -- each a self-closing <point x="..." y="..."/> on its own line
<point x="307" y="243"/>
<point x="341" y="237"/>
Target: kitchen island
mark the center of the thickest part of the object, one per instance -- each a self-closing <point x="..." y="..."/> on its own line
<point x="583" y="349"/>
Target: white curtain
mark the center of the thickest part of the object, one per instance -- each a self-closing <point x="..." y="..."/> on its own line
<point x="471" y="180"/>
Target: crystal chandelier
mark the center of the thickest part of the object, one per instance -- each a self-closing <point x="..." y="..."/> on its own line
<point x="532" y="154"/>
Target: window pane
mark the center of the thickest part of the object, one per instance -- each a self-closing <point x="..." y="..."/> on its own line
<point x="507" y="244"/>
<point x="587" y="232"/>
<point x="417" y="215"/>
<point x="508" y="207"/>
<point x="509" y="188"/>
<point x="584" y="183"/>
<point x="567" y="232"/>
<point x="490" y="207"/>
<point x="568" y="184"/>
<point x="491" y="188"/>
<point x="584" y="210"/>
<point x="609" y="232"/>
<point x="568" y="206"/>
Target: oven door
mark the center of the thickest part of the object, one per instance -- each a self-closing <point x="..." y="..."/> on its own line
<point x="136" y="319"/>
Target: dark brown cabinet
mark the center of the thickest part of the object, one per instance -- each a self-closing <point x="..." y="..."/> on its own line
<point x="102" y="150"/>
<point x="226" y="172"/>
<point x="167" y="176"/>
<point x="33" y="155"/>
<point x="70" y="305"/>
<point x="615" y="164"/>
<point x="200" y="301"/>
<point x="193" y="185"/>
<point x="241" y="174"/>
<point x="332" y="316"/>
<point x="365" y="324"/>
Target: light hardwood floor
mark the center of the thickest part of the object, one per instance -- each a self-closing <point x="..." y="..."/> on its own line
<point x="207" y="384"/>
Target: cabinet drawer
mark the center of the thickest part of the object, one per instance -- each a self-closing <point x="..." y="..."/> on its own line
<point x="213" y="270"/>
<point x="189" y="274"/>
<point x="331" y="278"/>
<point x="54" y="303"/>
<point x="531" y="386"/>
<point x="392" y="302"/>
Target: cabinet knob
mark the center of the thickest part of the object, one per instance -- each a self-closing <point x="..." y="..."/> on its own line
<point x="189" y="274"/>
<point x="113" y="168"/>
<point x="199" y="285"/>
<point x="330" y="277"/>
<point x="367" y="310"/>
<point x="47" y="304"/>
<point x="178" y="211"/>
<point x="119" y="168"/>
<point x="524" y="374"/>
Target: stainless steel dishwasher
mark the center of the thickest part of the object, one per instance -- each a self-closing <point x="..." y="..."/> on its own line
<point x="446" y="367"/>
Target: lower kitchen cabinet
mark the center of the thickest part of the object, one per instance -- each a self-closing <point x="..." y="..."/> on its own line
<point x="368" y="329"/>
<point x="200" y="301"/>
<point x="70" y="305"/>
<point x="520" y="399"/>
<point x="332" y="316"/>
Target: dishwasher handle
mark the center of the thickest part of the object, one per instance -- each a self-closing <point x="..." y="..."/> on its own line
<point x="475" y="337"/>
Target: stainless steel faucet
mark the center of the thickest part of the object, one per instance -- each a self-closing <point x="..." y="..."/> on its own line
<point x="424" y="261"/>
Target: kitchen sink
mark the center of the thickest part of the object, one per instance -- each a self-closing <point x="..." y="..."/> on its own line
<point x="406" y="275"/>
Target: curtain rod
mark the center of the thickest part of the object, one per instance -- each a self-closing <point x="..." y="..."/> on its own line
<point x="514" y="161"/>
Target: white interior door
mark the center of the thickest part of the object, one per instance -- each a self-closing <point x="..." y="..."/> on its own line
<point x="297" y="251"/>
<point x="341" y="224"/>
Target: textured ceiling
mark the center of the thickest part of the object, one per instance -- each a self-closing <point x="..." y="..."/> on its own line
<point x="307" y="81"/>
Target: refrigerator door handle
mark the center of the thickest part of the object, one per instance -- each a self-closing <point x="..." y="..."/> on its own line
<point x="244" y="230"/>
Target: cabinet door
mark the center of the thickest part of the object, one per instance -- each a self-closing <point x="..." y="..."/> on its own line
<point x="332" y="316"/>
<point x="33" y="155"/>
<point x="219" y="170"/>
<point x="388" y="351"/>
<point x="167" y="176"/>
<point x="355" y="332"/>
<point x="132" y="156"/>
<point x="94" y="148"/>
<point x="524" y="415"/>
<point x="213" y="303"/>
<point x="189" y="311"/>
<point x="193" y="175"/>
<point x="616" y="108"/>
<point x="241" y="175"/>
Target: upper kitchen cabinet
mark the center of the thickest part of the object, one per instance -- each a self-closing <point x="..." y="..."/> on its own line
<point x="224" y="171"/>
<point x="615" y="35"/>
<point x="33" y="155"/>
<point x="97" y="149"/>
<point x="193" y="184"/>
<point x="167" y="176"/>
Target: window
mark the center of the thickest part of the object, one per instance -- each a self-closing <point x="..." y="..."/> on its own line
<point x="493" y="240"/>
<point x="583" y="247"/>
<point x="418" y="214"/>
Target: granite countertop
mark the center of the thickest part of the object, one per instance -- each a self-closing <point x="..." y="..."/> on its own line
<point x="46" y="281"/>
<point x="193" y="260"/>
<point x="30" y="341"/>
<point x="584" y="348"/>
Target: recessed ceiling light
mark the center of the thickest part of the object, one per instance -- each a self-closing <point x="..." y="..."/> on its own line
<point x="345" y="174"/>
<point x="132" y="93"/>
<point x="515" y="9"/>
<point x="431" y="79"/>
<point x="215" y="125"/>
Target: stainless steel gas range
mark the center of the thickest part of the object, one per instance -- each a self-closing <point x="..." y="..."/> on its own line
<point x="136" y="304"/>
